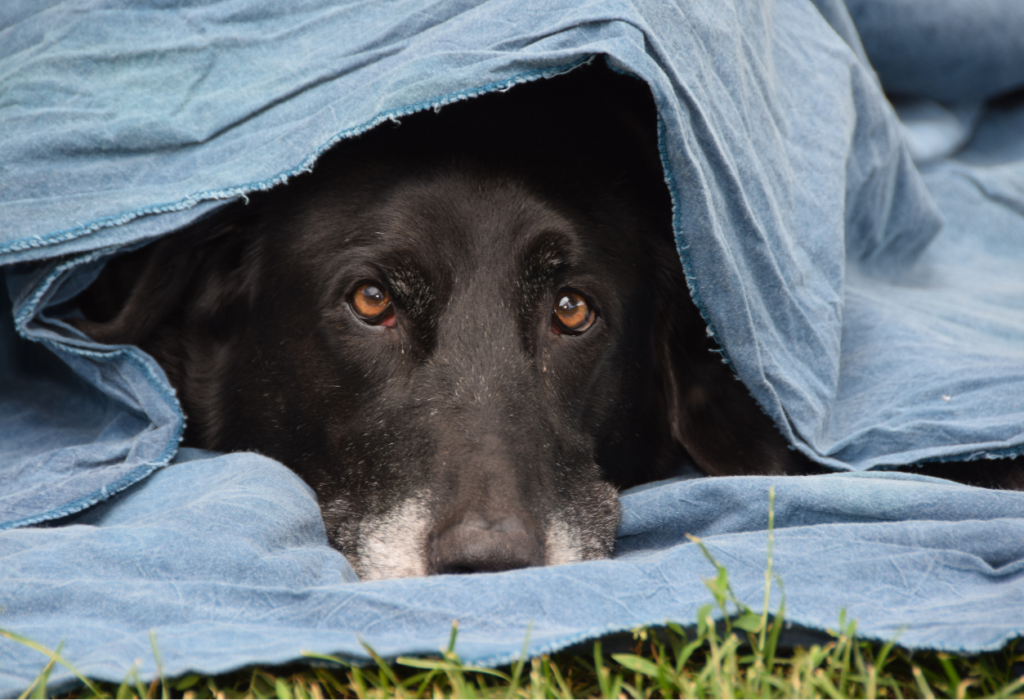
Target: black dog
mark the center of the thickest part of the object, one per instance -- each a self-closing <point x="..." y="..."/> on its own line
<point x="464" y="332"/>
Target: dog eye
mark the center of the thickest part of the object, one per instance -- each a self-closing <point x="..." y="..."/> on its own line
<point x="572" y="313"/>
<point x="373" y="305"/>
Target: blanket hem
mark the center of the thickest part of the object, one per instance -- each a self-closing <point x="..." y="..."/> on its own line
<point x="241" y="191"/>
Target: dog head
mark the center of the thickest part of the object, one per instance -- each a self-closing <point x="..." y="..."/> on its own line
<point x="465" y="332"/>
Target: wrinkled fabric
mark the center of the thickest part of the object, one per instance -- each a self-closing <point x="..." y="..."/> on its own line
<point x="946" y="50"/>
<point x="240" y="573"/>
<point x="872" y="305"/>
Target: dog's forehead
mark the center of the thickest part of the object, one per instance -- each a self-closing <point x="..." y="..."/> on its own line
<point x="474" y="220"/>
<point x="489" y="216"/>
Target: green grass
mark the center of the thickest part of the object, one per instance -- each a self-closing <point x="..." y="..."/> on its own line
<point x="716" y="661"/>
<point x="737" y="656"/>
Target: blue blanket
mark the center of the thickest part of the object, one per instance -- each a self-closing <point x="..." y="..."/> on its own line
<point x="872" y="304"/>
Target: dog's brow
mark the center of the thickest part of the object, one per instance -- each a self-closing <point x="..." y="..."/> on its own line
<point x="543" y="259"/>
<point x="410" y="285"/>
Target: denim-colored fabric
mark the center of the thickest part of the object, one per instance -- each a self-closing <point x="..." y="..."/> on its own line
<point x="873" y="308"/>
<point x="239" y="572"/>
<point x="957" y="51"/>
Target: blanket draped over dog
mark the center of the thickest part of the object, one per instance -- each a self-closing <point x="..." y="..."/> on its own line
<point x="864" y="277"/>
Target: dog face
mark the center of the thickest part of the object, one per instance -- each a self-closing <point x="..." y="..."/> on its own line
<point x="478" y="338"/>
<point x="465" y="333"/>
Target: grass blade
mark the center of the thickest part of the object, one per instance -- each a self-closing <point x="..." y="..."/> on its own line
<point x="53" y="656"/>
<point x="922" y="683"/>
<point x="517" y="667"/>
<point x="768" y="567"/>
<point x="159" y="668"/>
<point x="638" y="664"/>
<point x="38" y="687"/>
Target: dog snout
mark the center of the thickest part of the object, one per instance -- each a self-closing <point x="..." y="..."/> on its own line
<point x="478" y="543"/>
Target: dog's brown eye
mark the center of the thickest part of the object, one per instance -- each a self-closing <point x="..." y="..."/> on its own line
<point x="572" y="313"/>
<point x="373" y="305"/>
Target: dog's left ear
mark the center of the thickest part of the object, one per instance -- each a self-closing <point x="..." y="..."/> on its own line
<point x="135" y="293"/>
<point x="709" y="411"/>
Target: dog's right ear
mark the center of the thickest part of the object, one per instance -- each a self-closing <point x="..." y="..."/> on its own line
<point x="138" y="292"/>
<point x="709" y="411"/>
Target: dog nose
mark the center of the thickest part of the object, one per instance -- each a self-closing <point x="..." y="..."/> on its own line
<point x="478" y="544"/>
